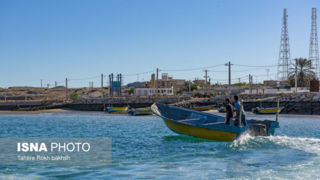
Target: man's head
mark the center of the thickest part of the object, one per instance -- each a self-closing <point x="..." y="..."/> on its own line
<point x="227" y="100"/>
<point x="236" y="98"/>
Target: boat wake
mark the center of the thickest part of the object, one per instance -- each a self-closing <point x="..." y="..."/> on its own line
<point x="246" y="142"/>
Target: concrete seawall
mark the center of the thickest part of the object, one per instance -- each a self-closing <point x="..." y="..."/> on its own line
<point x="302" y="103"/>
<point x="92" y="104"/>
<point x="312" y="108"/>
<point x="294" y="104"/>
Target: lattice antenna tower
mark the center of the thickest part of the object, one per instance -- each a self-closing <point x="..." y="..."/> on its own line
<point x="313" y="47"/>
<point x="284" y="53"/>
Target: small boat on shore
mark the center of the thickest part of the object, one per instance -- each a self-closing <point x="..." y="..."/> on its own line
<point x="271" y="110"/>
<point x="223" y="109"/>
<point x="140" y="111"/>
<point x="116" y="109"/>
<point x="209" y="126"/>
<point x="204" y="108"/>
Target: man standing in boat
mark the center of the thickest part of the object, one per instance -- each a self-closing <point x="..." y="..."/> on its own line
<point x="237" y="106"/>
<point x="229" y="111"/>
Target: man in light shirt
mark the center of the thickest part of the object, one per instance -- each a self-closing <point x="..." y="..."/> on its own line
<point x="237" y="106"/>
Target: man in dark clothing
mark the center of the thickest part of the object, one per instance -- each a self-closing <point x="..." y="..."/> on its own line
<point x="229" y="111"/>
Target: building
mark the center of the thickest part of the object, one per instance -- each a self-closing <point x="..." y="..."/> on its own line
<point x="137" y="85"/>
<point x="274" y="91"/>
<point x="199" y="82"/>
<point x="152" y="91"/>
<point x="273" y="83"/>
<point x="166" y="82"/>
<point x="153" y="81"/>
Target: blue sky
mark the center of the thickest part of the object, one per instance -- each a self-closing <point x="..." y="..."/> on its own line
<point x="80" y="39"/>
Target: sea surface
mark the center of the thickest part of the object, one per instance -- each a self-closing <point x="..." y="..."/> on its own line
<point x="144" y="148"/>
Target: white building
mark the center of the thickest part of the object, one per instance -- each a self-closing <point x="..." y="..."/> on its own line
<point x="152" y="91"/>
<point x="274" y="91"/>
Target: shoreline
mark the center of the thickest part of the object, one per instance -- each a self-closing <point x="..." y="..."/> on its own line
<point x="57" y="110"/>
<point x="71" y="111"/>
<point x="61" y="111"/>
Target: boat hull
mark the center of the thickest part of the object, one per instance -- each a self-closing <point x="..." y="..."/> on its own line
<point x="209" y="126"/>
<point x="212" y="134"/>
<point x="204" y="108"/>
<point x="268" y="110"/>
<point x="116" y="109"/>
<point x="140" y="112"/>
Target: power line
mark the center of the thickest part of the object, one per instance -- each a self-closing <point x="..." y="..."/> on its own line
<point x="135" y="74"/>
<point x="193" y="69"/>
<point x="265" y="66"/>
<point x="79" y="79"/>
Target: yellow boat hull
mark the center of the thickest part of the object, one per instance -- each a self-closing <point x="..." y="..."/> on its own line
<point x="120" y="108"/>
<point x="205" y="133"/>
<point x="208" y="126"/>
<point x="117" y="109"/>
<point x="269" y="111"/>
<point x="203" y="108"/>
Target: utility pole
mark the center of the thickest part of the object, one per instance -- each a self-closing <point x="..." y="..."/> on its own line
<point x="102" y="84"/>
<point x="121" y="80"/>
<point x="250" y="82"/>
<point x="190" y="86"/>
<point x="206" y="79"/>
<point x="296" y="77"/>
<point x="67" y="90"/>
<point x="229" y="76"/>
<point x="102" y="93"/>
<point x="157" y="76"/>
<point x="55" y="84"/>
<point x="239" y="79"/>
<point x="206" y="76"/>
<point x="41" y="83"/>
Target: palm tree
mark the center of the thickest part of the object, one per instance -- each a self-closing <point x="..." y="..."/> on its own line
<point x="305" y="72"/>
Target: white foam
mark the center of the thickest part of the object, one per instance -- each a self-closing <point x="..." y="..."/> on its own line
<point x="17" y="177"/>
<point x="311" y="145"/>
<point x="242" y="140"/>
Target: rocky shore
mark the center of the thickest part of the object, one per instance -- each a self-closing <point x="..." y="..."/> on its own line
<point x="300" y="103"/>
<point x="88" y="104"/>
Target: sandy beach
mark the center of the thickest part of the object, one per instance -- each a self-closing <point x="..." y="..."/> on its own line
<point x="58" y="110"/>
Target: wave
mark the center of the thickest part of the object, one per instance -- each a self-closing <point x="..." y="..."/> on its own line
<point x="245" y="142"/>
<point x="19" y="176"/>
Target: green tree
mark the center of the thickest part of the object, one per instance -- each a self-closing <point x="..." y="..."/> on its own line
<point x="305" y="72"/>
<point x="192" y="86"/>
<point x="131" y="91"/>
<point x="241" y="84"/>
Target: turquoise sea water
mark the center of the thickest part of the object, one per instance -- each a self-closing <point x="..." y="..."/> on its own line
<point x="144" y="148"/>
